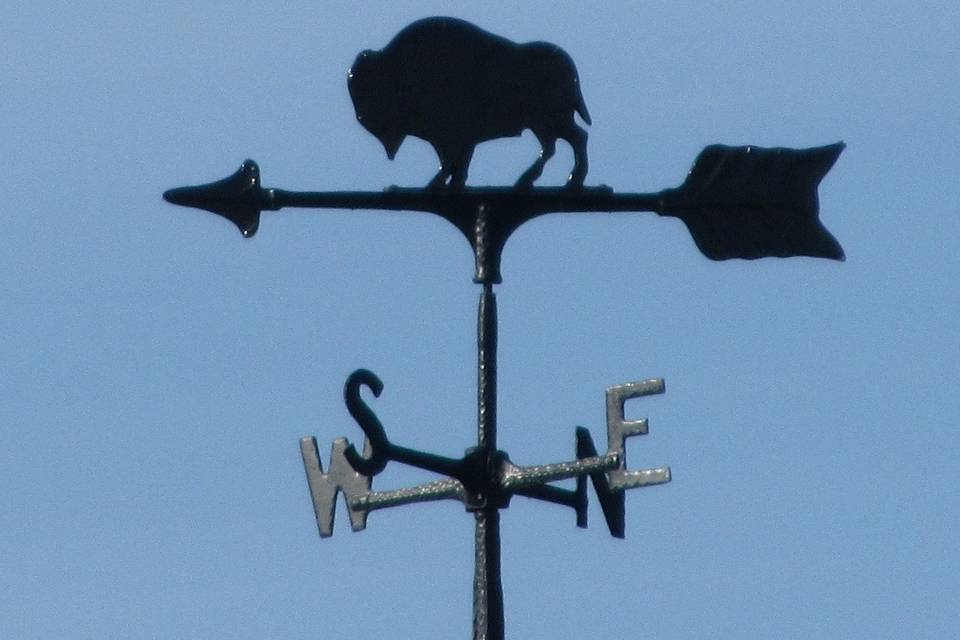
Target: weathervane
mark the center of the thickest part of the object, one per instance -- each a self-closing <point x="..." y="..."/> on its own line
<point x="454" y="85"/>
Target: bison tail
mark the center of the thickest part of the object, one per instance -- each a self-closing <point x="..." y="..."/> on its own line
<point x="582" y="106"/>
<point x="582" y="110"/>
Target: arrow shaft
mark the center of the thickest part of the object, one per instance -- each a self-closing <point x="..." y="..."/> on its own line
<point x="536" y="201"/>
<point x="440" y="490"/>
<point x="514" y="478"/>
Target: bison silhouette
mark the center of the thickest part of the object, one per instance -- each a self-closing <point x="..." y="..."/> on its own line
<point x="455" y="85"/>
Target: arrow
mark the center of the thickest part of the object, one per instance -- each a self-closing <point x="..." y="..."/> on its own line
<point x="737" y="202"/>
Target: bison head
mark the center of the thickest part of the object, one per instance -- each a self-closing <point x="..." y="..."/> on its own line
<point x="375" y="93"/>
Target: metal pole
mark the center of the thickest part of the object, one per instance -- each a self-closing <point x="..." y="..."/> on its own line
<point x="487" y="589"/>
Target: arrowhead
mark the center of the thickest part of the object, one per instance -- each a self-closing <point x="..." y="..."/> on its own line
<point x="238" y="198"/>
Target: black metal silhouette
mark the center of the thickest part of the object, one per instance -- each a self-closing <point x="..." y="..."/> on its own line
<point x="455" y="85"/>
<point x="737" y="202"/>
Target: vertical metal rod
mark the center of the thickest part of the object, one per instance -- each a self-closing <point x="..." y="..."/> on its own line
<point x="487" y="588"/>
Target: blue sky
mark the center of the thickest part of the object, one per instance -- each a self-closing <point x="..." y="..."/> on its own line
<point x="157" y="369"/>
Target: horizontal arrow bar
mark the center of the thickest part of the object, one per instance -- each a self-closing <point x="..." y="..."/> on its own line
<point x="513" y="477"/>
<point x="439" y="490"/>
<point x="737" y="202"/>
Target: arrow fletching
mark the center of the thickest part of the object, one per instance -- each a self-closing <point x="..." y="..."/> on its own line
<point x="752" y="202"/>
<point x="238" y="198"/>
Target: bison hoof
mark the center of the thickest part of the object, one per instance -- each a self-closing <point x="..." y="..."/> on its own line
<point x="523" y="184"/>
<point x="438" y="183"/>
<point x="575" y="183"/>
<point x="442" y="187"/>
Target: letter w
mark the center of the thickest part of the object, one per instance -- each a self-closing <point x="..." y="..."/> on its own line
<point x="340" y="478"/>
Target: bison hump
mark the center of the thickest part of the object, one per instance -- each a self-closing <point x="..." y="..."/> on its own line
<point x="446" y="42"/>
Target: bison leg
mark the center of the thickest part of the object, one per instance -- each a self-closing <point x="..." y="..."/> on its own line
<point x="453" y="167"/>
<point x="440" y="180"/>
<point x="577" y="138"/>
<point x="548" y="147"/>
<point x="458" y="172"/>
